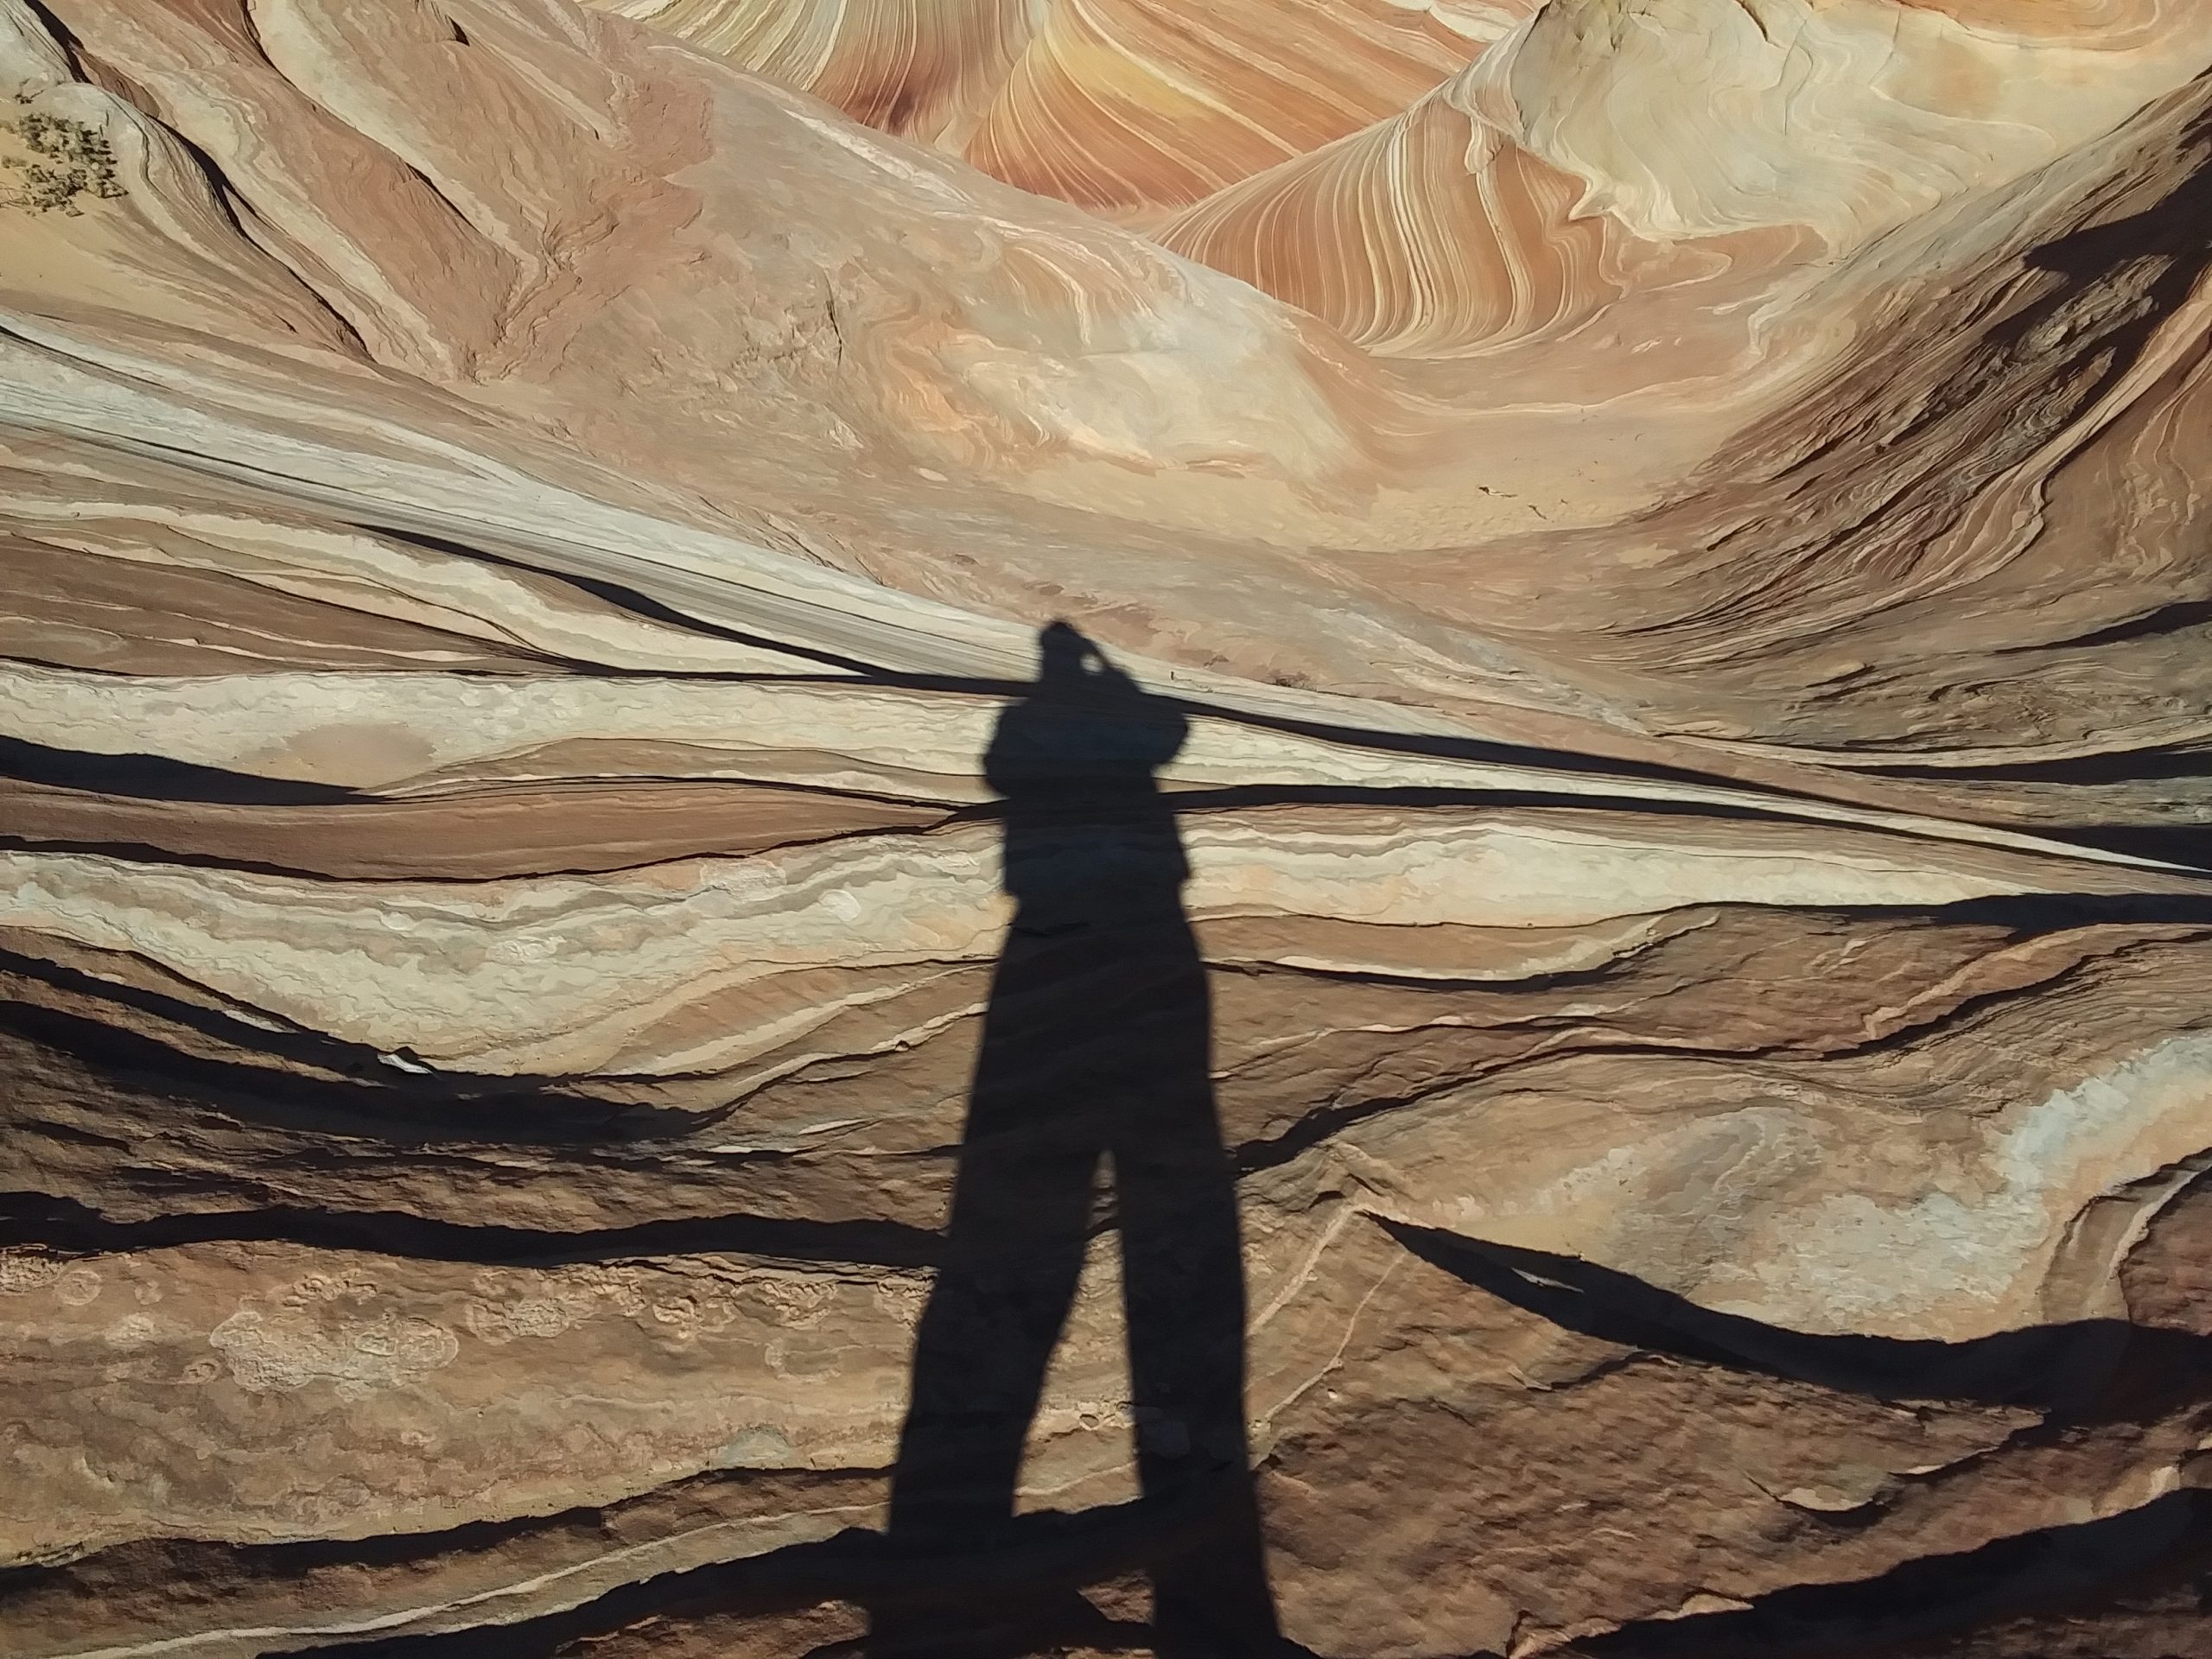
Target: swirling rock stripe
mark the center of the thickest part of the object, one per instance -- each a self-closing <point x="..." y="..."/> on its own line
<point x="1424" y="236"/>
<point x="525" y="532"/>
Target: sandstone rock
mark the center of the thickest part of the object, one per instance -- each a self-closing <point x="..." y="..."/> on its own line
<point x="1657" y="548"/>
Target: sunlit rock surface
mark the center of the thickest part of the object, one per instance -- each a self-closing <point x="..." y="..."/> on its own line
<point x="1678" y="528"/>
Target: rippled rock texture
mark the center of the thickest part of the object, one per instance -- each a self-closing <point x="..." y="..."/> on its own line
<point x="1644" y="713"/>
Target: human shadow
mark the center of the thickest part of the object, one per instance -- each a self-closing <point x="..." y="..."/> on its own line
<point x="1095" y="1057"/>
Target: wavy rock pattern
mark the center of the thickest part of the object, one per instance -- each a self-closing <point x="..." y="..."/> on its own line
<point x="1440" y="237"/>
<point x="922" y="69"/>
<point x="1313" y="155"/>
<point x="1689" y="598"/>
<point x="1122" y="106"/>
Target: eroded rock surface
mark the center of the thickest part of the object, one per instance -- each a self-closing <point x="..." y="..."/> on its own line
<point x="1674" y="533"/>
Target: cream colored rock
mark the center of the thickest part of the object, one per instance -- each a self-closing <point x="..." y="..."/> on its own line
<point x="1672" y="530"/>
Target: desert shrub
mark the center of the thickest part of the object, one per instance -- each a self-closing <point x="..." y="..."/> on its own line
<point x="68" y="160"/>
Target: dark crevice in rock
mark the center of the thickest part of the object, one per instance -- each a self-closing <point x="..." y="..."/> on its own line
<point x="136" y="1579"/>
<point x="515" y="866"/>
<point x="2188" y="845"/>
<point x="2029" y="914"/>
<point x="336" y="1082"/>
<point x="2167" y="619"/>
<point x="141" y="852"/>
<point x="635" y="602"/>
<point x="1324" y="1123"/>
<point x="154" y="776"/>
<point x="2113" y="766"/>
<point x="2088" y="261"/>
<point x="65" y="1225"/>
<point x="1040" y="1562"/>
<point x="2085" y="1371"/>
<point x="2067" y="1571"/>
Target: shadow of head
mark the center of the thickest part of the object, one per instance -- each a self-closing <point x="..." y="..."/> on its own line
<point x="1093" y="706"/>
<point x="1069" y="660"/>
<point x="1087" y="830"/>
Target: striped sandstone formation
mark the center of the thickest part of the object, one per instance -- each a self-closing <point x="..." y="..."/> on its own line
<point x="1674" y="530"/>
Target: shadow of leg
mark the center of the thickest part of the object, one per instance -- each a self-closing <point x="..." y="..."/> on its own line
<point x="1184" y="1295"/>
<point x="1020" y="1210"/>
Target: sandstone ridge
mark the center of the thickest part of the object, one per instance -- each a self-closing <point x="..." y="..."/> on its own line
<point x="1670" y="534"/>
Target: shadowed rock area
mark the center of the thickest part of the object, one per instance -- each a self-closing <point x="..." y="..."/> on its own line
<point x="839" y="829"/>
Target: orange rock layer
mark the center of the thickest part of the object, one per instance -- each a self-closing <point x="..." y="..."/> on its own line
<point x="1670" y="539"/>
